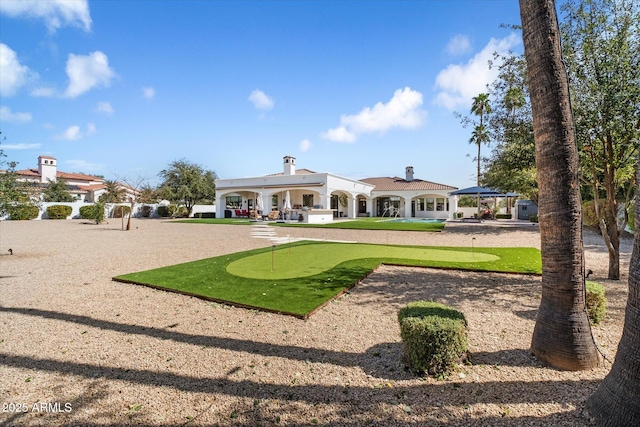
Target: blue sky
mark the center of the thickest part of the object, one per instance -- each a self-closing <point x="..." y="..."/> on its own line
<point x="356" y="88"/>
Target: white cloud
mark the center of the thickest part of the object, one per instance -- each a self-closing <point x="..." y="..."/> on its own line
<point x="74" y="133"/>
<point x="43" y="92"/>
<point x="261" y="100"/>
<point x="105" y="108"/>
<point x="148" y="92"/>
<point x="20" y="146"/>
<point x="86" y="72"/>
<point x="459" y="83"/>
<point x="458" y="45"/>
<point x="14" y="75"/>
<point x="305" y="145"/>
<point x="339" y="134"/>
<point x="402" y="111"/>
<point x="55" y="13"/>
<point x="6" y="115"/>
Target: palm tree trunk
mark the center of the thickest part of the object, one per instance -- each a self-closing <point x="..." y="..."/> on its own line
<point x="616" y="401"/>
<point x="562" y="334"/>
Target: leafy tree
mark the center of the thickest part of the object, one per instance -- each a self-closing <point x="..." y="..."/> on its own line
<point x="562" y="335"/>
<point x="114" y="193"/>
<point x="602" y="51"/>
<point x="187" y="183"/>
<point x="14" y="192"/>
<point x="57" y="191"/>
<point x="511" y="165"/>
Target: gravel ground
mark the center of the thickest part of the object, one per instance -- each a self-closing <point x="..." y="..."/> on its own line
<point x="77" y="349"/>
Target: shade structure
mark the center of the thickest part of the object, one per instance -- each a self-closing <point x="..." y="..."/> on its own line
<point x="259" y="202"/>
<point x="287" y="201"/>
<point x="474" y="191"/>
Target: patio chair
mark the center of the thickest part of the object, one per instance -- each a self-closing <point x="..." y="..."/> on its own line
<point x="273" y="215"/>
<point x="238" y="213"/>
<point x="245" y="213"/>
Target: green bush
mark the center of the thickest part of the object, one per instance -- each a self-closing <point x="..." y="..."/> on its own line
<point x="596" y="302"/>
<point x="59" y="211"/>
<point x="533" y="218"/>
<point x="94" y="212"/>
<point x="172" y="211"/>
<point x="503" y="216"/>
<point x="120" y="210"/>
<point x="434" y="337"/>
<point x="23" y="211"/>
<point x="632" y="218"/>
<point x="146" y="211"/>
<point x="589" y="216"/>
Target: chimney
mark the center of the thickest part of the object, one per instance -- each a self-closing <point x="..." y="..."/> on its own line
<point x="47" y="169"/>
<point x="409" y="173"/>
<point x="289" y="165"/>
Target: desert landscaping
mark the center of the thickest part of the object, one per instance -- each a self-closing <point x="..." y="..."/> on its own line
<point x="78" y="349"/>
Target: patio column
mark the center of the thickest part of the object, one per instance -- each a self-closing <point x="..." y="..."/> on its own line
<point x="325" y="200"/>
<point x="407" y="207"/>
<point x="370" y="206"/>
<point x="352" y="206"/>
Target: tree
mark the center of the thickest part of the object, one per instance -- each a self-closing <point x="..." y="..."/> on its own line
<point x="511" y="165"/>
<point x="602" y="54"/>
<point x="114" y="193"/>
<point x="57" y="191"/>
<point x="562" y="334"/>
<point x="616" y="401"/>
<point x="14" y="193"/>
<point x="187" y="183"/>
<point x="481" y="106"/>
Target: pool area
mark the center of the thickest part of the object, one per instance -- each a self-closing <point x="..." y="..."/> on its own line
<point x="416" y="220"/>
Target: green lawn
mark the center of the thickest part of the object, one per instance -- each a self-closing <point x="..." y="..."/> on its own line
<point x="357" y="224"/>
<point x="306" y="275"/>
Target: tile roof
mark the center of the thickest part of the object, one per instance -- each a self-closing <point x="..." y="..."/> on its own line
<point x="401" y="184"/>
<point x="63" y="175"/>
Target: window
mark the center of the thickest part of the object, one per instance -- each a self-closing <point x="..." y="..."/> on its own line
<point x="274" y="201"/>
<point x="234" y="202"/>
<point x="307" y="200"/>
<point x="440" y="204"/>
<point x="420" y="204"/>
<point x="430" y="203"/>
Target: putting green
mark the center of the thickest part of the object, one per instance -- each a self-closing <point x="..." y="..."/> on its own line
<point x="309" y="260"/>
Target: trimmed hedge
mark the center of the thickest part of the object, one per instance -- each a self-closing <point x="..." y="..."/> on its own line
<point x="146" y="210"/>
<point x="120" y="210"/>
<point x="23" y="211"/>
<point x="596" y="302"/>
<point x="59" y="211"/>
<point x="434" y="337"/>
<point x="94" y="212"/>
<point x="503" y="216"/>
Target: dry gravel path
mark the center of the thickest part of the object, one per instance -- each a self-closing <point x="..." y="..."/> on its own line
<point x="77" y="349"/>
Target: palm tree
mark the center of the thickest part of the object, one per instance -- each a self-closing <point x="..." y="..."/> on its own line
<point x="114" y="193"/>
<point x="480" y="106"/>
<point x="562" y="335"/>
<point x="514" y="100"/>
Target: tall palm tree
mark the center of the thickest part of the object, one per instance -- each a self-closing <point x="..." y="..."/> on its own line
<point x="562" y="335"/>
<point x="480" y="106"/>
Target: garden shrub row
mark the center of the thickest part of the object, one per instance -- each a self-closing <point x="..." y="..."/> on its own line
<point x="434" y="337"/>
<point x="503" y="216"/>
<point x="172" y="211"/>
<point x="596" y="302"/>
<point x="59" y="211"/>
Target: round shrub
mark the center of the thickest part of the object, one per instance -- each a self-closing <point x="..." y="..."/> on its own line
<point x="120" y="210"/>
<point x="434" y="337"/>
<point x="146" y="211"/>
<point x="23" y="211"/>
<point x="59" y="211"/>
<point x="165" y="211"/>
<point x="596" y="302"/>
<point x="94" y="212"/>
<point x="172" y="211"/>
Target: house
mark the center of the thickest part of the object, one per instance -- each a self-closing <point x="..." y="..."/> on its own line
<point x="85" y="188"/>
<point x="344" y="197"/>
